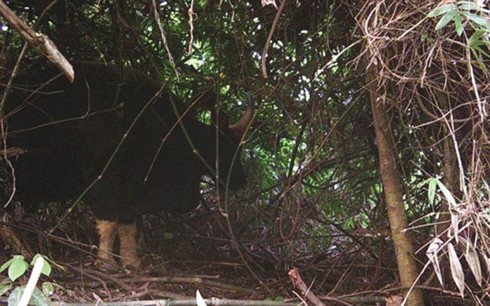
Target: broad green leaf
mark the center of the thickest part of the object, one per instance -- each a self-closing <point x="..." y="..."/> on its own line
<point x="33" y="261"/>
<point x="46" y="270"/>
<point x="6" y="265"/>
<point x="18" y="267"/>
<point x="38" y="298"/>
<point x="442" y="10"/>
<point x="446" y="19"/>
<point x="14" y="297"/>
<point x="48" y="289"/>
<point x="456" y="269"/>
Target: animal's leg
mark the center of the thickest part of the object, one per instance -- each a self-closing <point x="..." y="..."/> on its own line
<point x="127" y="239"/>
<point x="107" y="234"/>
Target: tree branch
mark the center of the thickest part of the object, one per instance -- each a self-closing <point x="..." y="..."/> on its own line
<point x="40" y="41"/>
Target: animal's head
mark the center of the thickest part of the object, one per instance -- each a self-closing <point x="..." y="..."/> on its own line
<point x="228" y="139"/>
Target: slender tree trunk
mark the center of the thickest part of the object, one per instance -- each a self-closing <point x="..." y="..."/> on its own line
<point x="393" y="194"/>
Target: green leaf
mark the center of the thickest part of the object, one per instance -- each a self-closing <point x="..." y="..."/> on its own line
<point x="5" y="286"/>
<point x="458" y="24"/>
<point x="475" y="42"/>
<point x="468" y="6"/>
<point x="18" y="267"/>
<point x="478" y="20"/>
<point x="46" y="270"/>
<point x="6" y="265"/>
<point x="447" y="194"/>
<point x="446" y="19"/>
<point x="14" y="297"/>
<point x="48" y="289"/>
<point x="38" y="298"/>
<point x="442" y="10"/>
<point x="33" y="261"/>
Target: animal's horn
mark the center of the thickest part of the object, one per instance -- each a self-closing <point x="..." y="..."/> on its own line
<point x="241" y="126"/>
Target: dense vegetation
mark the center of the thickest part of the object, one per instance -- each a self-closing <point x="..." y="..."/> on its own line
<point x="315" y="197"/>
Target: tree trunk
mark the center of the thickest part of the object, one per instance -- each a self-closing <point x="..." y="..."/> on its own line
<point x="393" y="194"/>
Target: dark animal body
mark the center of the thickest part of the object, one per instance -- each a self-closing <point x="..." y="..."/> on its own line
<point x="119" y="133"/>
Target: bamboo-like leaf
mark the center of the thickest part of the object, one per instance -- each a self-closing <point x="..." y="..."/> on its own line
<point x="446" y="19"/>
<point x="431" y="194"/>
<point x="473" y="260"/>
<point x="454" y="226"/>
<point x="487" y="261"/>
<point x="458" y="25"/>
<point x="442" y="10"/>
<point x="456" y="269"/>
<point x="431" y="253"/>
<point x="475" y="39"/>
<point x="447" y="194"/>
<point x="468" y="6"/>
<point x="478" y="20"/>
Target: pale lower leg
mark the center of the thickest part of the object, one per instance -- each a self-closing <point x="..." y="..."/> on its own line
<point x="127" y="239"/>
<point x="107" y="234"/>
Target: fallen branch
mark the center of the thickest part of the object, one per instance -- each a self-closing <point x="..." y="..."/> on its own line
<point x="193" y="280"/>
<point x="305" y="291"/>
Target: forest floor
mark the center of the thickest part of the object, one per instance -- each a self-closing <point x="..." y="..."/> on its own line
<point x="185" y="254"/>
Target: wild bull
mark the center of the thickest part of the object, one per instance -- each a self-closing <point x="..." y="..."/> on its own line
<point x="118" y="140"/>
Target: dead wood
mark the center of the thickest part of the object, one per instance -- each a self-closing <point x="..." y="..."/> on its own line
<point x="305" y="291"/>
<point x="40" y="41"/>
